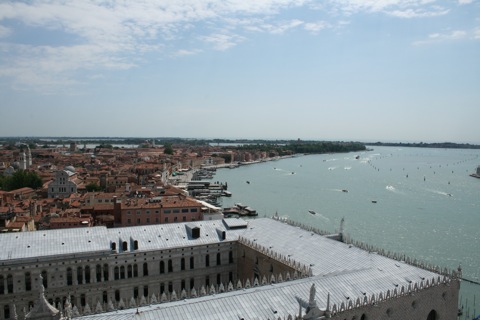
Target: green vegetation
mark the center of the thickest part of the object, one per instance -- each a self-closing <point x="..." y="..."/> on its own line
<point x="441" y="145"/>
<point x="308" y="147"/>
<point x="20" y="179"/>
<point x="168" y="149"/>
<point x="93" y="187"/>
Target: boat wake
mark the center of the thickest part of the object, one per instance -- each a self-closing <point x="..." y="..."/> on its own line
<point x="332" y="168"/>
<point x="441" y="193"/>
<point x="347" y="168"/>
<point x="391" y="188"/>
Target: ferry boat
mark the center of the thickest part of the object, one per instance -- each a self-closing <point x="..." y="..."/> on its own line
<point x="476" y="174"/>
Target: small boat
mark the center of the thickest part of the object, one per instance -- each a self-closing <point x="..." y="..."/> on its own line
<point x="344" y="190"/>
<point x="248" y="182"/>
<point x="374" y="201"/>
<point x="312" y="212"/>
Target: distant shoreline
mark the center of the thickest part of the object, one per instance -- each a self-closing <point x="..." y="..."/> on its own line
<point x="440" y="145"/>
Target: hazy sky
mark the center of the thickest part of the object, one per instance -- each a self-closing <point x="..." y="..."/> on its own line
<point x="369" y="70"/>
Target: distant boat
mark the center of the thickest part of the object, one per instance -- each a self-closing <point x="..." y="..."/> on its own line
<point x="312" y="212"/>
<point x="344" y="190"/>
<point x="357" y="157"/>
<point x="248" y="182"/>
<point x="374" y="201"/>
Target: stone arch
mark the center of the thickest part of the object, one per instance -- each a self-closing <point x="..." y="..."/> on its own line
<point x="433" y="315"/>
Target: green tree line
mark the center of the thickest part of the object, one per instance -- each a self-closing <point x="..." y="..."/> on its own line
<point x="20" y="179"/>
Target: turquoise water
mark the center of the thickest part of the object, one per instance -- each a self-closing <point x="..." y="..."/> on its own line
<point x="427" y="206"/>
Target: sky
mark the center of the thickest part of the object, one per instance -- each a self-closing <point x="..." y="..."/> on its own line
<point x="362" y="70"/>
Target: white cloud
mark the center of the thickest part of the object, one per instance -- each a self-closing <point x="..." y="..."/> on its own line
<point x="443" y="37"/>
<point x="465" y="1"/>
<point x="476" y="33"/>
<point x="315" y="27"/>
<point x="222" y="41"/>
<point x="418" y="13"/>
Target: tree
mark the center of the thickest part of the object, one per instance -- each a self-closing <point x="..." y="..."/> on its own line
<point x="168" y="149"/>
<point x="92" y="187"/>
<point x="21" y="179"/>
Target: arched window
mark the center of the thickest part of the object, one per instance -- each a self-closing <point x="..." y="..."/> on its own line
<point x="170" y="265"/>
<point x="117" y="295"/>
<point x="10" y="283"/>
<point x="114" y="246"/>
<point x="230" y="256"/>
<point x="219" y="278"/>
<point x="432" y="315"/>
<point x="135" y="271"/>
<point x="122" y="272"/>
<point x="124" y="246"/>
<point x="28" y="281"/>
<point x="69" y="277"/>
<point x="6" y="311"/>
<point x="79" y="275"/>
<point x="116" y="273"/>
<point x="145" y="269"/>
<point x="219" y="260"/>
<point x="105" y="272"/>
<point x="135" y="292"/>
<point x="45" y="279"/>
<point x="83" y="300"/>
<point x="145" y="291"/>
<point x="129" y="271"/>
<point x="135" y="245"/>
<point x="2" y="285"/>
<point x="162" y="267"/>
<point x="207" y="260"/>
<point x="87" y="274"/>
<point x="363" y="317"/>
<point x="192" y="262"/>
<point x="105" y="297"/>
<point x="98" y="272"/>
<point x="182" y="264"/>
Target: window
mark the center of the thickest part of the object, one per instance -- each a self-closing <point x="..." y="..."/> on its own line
<point x="116" y="273"/>
<point x="157" y="211"/>
<point x="105" y="297"/>
<point x="83" y="300"/>
<point x="166" y="220"/>
<point x="207" y="281"/>
<point x="128" y="212"/>
<point x="138" y="221"/>
<point x="219" y="278"/>
<point x="162" y="288"/>
<point x="117" y="295"/>
<point x="135" y="271"/>
<point x="167" y="211"/>
<point x="184" y="218"/>
<point x="185" y="210"/>
<point x="192" y="264"/>
<point x="124" y="246"/>
<point x="147" y="212"/>
<point x="139" y="212"/>
<point x="219" y="262"/>
<point x="45" y="279"/>
<point x="176" y="210"/>
<point x="207" y="261"/>
<point x="162" y="267"/>
<point x="87" y="274"/>
<point x="194" y="210"/>
<point x="135" y="292"/>
<point x="170" y="287"/>
<point x="122" y="272"/>
<point x="10" y="283"/>
<point x="129" y="271"/>
<point x="170" y="266"/>
<point x="28" y="281"/>
<point x="69" y="277"/>
<point x="192" y="283"/>
<point x="129" y="221"/>
<point x="2" y="285"/>
<point x="182" y="264"/>
<point x="145" y="291"/>
<point x="105" y="272"/>
<point x="145" y="269"/>
<point x="230" y="256"/>
<point x="148" y="220"/>
<point x="98" y="272"/>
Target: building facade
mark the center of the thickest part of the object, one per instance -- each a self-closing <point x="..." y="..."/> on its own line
<point x="262" y="269"/>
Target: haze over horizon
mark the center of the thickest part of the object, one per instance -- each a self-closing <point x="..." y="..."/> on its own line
<point x="361" y="70"/>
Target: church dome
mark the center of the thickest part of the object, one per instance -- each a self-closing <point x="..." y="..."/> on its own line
<point x="70" y="168"/>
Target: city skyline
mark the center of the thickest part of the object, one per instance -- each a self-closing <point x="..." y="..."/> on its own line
<point x="402" y="70"/>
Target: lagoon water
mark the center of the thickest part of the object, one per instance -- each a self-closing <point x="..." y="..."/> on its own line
<point x="415" y="201"/>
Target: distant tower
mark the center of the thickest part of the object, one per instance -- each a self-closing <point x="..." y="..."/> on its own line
<point x="23" y="161"/>
<point x="153" y="143"/>
<point x="29" y="157"/>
